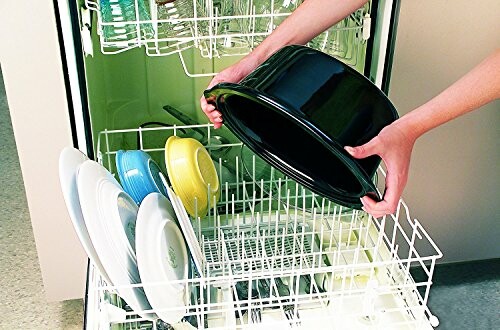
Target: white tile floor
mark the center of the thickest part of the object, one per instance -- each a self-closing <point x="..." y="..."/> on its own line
<point x="22" y="301"/>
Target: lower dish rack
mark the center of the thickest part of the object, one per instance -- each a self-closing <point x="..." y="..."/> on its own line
<point x="276" y="255"/>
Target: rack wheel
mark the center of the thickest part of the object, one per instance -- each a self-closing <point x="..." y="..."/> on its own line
<point x="434" y="321"/>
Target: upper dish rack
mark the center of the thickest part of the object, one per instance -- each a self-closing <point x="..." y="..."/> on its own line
<point x="311" y="261"/>
<point x="215" y="27"/>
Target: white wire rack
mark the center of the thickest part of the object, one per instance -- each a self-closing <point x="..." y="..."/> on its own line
<point x="308" y="261"/>
<point x="216" y="27"/>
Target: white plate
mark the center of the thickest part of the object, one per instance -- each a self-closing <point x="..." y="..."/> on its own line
<point x="106" y="207"/>
<point x="70" y="160"/>
<point x="187" y="231"/>
<point x="119" y="214"/>
<point x="162" y="257"/>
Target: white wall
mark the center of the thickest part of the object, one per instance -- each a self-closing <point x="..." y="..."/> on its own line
<point x="454" y="181"/>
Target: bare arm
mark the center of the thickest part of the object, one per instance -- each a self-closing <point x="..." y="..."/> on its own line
<point x="306" y="22"/>
<point x="395" y="142"/>
<point x="478" y="87"/>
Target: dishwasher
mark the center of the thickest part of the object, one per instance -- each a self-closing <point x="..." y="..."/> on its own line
<point x="269" y="253"/>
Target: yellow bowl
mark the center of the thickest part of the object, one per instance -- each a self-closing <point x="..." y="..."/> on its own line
<point x="192" y="174"/>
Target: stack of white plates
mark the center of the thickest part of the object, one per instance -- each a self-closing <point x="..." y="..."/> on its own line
<point x="69" y="163"/>
<point x="131" y="245"/>
<point x="110" y="215"/>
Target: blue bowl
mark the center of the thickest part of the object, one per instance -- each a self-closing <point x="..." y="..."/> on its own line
<point x="139" y="174"/>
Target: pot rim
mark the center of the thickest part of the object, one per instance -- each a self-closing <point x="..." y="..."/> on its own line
<point x="353" y="200"/>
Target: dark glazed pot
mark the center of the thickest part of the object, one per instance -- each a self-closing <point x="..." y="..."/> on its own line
<point x="298" y="110"/>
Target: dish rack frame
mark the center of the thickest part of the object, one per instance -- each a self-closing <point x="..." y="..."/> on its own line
<point x="216" y="28"/>
<point x="338" y="265"/>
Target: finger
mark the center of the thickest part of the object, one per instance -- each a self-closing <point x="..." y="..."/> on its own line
<point x="389" y="204"/>
<point x="376" y="209"/>
<point x="205" y="106"/>
<point x="208" y="109"/>
<point x="203" y="102"/>
<point x="207" y="101"/>
<point x="385" y="206"/>
<point x="216" y="119"/>
<point x="214" y="114"/>
<point x="368" y="149"/>
<point x="376" y="215"/>
<point x="212" y="119"/>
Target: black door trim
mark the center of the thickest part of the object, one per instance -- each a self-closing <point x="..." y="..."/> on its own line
<point x="80" y="66"/>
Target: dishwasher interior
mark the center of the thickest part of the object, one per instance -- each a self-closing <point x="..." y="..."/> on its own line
<point x="269" y="253"/>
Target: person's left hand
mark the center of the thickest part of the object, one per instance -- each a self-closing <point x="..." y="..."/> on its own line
<point x="232" y="74"/>
<point x="394" y="146"/>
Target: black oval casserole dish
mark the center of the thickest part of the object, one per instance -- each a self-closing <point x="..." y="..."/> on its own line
<point x="298" y="110"/>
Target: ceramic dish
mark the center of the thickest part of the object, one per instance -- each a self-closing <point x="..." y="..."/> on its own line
<point x="139" y="174"/>
<point x="192" y="174"/>
<point x="110" y="215"/>
<point x="298" y="110"/>
<point x="70" y="160"/>
<point x="187" y="231"/>
<point x="162" y="257"/>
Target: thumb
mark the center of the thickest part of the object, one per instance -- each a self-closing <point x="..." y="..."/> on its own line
<point x="363" y="151"/>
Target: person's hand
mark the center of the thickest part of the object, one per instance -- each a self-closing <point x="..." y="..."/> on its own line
<point x="232" y="74"/>
<point x="394" y="146"/>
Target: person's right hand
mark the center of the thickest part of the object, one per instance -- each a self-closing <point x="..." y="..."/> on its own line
<point x="394" y="145"/>
<point x="232" y="74"/>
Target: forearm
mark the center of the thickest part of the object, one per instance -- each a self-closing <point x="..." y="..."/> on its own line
<point x="475" y="89"/>
<point x="306" y="22"/>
